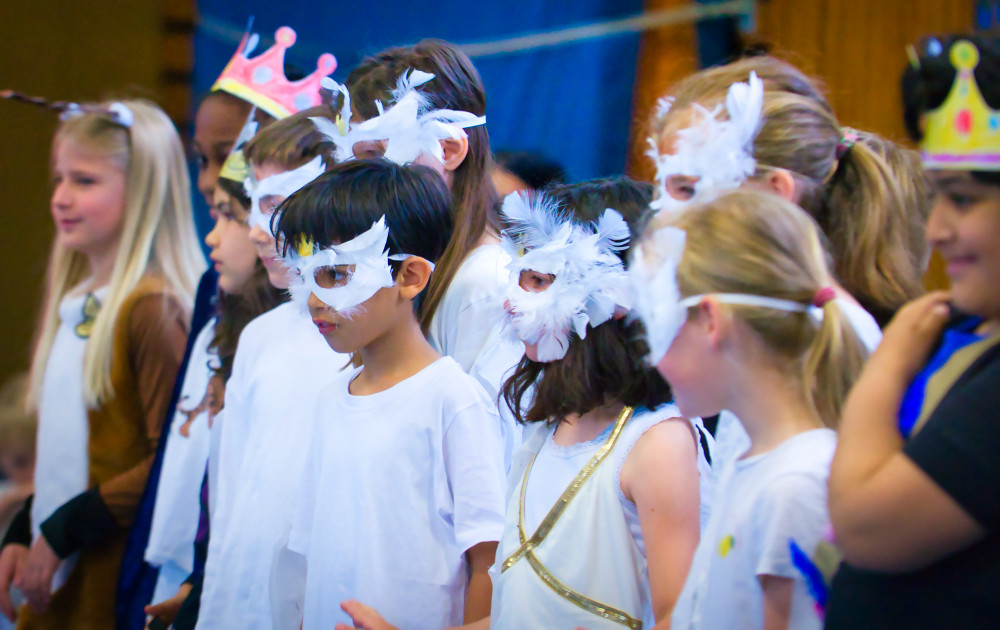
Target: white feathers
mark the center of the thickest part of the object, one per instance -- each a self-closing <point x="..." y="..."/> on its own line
<point x="364" y="259"/>
<point x="589" y="281"/>
<point x="337" y="132"/>
<point x="409" y="127"/>
<point x="653" y="276"/>
<point x="280" y="185"/>
<point x="716" y="153"/>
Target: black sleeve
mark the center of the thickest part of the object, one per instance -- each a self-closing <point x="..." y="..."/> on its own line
<point x="19" y="532"/>
<point x="958" y="448"/>
<point x="83" y="521"/>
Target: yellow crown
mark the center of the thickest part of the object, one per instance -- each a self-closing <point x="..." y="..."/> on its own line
<point x="964" y="133"/>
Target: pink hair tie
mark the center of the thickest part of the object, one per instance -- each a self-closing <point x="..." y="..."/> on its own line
<point x="823" y="296"/>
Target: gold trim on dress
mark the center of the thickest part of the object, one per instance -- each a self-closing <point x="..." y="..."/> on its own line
<point x="526" y="550"/>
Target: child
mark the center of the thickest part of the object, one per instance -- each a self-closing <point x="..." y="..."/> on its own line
<point x="700" y="149"/>
<point x="17" y="449"/>
<point x="244" y="293"/>
<point x="738" y="293"/>
<point x="637" y="518"/>
<point x="802" y="153"/>
<point x="406" y="464"/>
<point x="279" y="366"/>
<point x="121" y="278"/>
<point x="463" y="307"/>
<point x="913" y="490"/>
<point x="18" y="430"/>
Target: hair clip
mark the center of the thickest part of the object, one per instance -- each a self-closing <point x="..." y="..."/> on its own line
<point x="848" y="136"/>
<point x="118" y="112"/>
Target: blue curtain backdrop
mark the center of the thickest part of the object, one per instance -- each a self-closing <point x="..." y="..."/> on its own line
<point x="570" y="102"/>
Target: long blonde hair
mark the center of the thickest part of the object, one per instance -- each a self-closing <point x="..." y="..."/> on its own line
<point x="157" y="235"/>
<point x="756" y="243"/>
<point x="860" y="200"/>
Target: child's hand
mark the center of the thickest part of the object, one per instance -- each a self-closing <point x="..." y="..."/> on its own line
<point x="11" y="560"/>
<point x="35" y="579"/>
<point x="166" y="611"/>
<point x="364" y="618"/>
<point x="911" y="334"/>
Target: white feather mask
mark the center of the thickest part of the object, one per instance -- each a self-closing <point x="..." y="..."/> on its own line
<point x="363" y="261"/>
<point x="409" y="127"/>
<point x="589" y="278"/>
<point x="279" y="185"/>
<point x="715" y="151"/>
<point x="658" y="304"/>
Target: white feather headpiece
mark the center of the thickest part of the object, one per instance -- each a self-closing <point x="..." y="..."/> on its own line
<point x="715" y="150"/>
<point x="409" y="127"/>
<point x="363" y="260"/>
<point x="280" y="185"/>
<point x="589" y="278"/>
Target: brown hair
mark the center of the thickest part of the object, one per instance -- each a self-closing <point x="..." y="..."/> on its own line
<point x="234" y="312"/>
<point x="290" y="142"/>
<point x="857" y="198"/>
<point x="756" y="243"/>
<point x="456" y="85"/>
<point x="607" y="366"/>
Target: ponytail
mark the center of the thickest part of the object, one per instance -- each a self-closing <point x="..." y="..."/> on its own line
<point x="834" y="360"/>
<point x="870" y="215"/>
<point x="751" y="242"/>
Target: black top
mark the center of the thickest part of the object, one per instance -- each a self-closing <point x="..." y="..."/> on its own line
<point x="959" y="448"/>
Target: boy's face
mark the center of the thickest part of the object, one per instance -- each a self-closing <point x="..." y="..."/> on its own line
<point x="18" y="465"/>
<point x="369" y="321"/>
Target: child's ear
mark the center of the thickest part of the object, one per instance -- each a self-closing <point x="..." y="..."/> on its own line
<point x="413" y="275"/>
<point x="716" y="321"/>
<point x="455" y="151"/>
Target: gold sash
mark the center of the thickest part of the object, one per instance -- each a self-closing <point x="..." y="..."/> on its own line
<point x="528" y="545"/>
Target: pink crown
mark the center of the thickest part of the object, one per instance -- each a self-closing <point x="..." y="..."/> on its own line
<point x="262" y="82"/>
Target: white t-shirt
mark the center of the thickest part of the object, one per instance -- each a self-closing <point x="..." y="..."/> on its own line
<point x="62" y="466"/>
<point x="178" y="495"/>
<point x="400" y="485"/>
<point x="280" y="365"/>
<point x="468" y="327"/>
<point x="762" y="503"/>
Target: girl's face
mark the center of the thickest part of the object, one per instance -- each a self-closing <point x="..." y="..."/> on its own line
<point x="233" y="255"/>
<point x="532" y="282"/>
<point x="277" y="272"/>
<point x="88" y="199"/>
<point x="216" y="127"/>
<point x="692" y="369"/>
<point x="964" y="226"/>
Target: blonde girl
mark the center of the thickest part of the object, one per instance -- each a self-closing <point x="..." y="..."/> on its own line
<point x="121" y="277"/>
<point x="739" y="293"/>
<point x="856" y="186"/>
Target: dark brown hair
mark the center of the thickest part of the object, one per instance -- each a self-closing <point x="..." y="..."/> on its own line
<point x="456" y="85"/>
<point x="608" y="365"/>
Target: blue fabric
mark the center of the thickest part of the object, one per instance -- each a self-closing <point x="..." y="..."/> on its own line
<point x="138" y="579"/>
<point x="953" y="340"/>
<point x="570" y="102"/>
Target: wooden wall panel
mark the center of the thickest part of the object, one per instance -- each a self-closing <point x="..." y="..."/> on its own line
<point x="65" y="51"/>
<point x="855" y="47"/>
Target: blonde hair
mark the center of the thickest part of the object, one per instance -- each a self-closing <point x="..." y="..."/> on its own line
<point x="756" y="243"/>
<point x="18" y="427"/>
<point x="858" y="199"/>
<point x="157" y="235"/>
